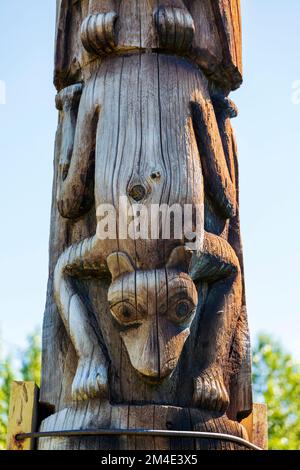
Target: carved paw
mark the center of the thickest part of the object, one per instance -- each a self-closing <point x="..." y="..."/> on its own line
<point x="69" y="97"/>
<point x="222" y="104"/>
<point x="210" y="392"/>
<point x="175" y="28"/>
<point x="90" y="380"/>
<point x="98" y="32"/>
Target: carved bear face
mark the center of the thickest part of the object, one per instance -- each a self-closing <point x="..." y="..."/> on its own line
<point x="154" y="311"/>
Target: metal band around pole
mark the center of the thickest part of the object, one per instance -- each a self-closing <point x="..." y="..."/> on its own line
<point x="138" y="432"/>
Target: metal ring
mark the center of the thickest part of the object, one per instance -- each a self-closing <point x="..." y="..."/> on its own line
<point x="138" y="432"/>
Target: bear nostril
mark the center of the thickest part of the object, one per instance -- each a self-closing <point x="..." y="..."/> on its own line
<point x="137" y="193"/>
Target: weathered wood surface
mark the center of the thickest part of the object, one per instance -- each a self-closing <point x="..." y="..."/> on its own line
<point x="23" y="414"/>
<point x="91" y="415"/>
<point x="208" y="31"/>
<point x="144" y="114"/>
<point x="256" y="425"/>
<point x="185" y="186"/>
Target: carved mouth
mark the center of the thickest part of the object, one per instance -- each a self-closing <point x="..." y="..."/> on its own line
<point x="151" y="380"/>
<point x="158" y="378"/>
<point x="154" y="380"/>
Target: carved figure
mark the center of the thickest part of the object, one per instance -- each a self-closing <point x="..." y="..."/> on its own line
<point x="145" y="116"/>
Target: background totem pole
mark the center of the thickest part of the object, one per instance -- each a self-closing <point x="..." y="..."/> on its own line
<point x="146" y="333"/>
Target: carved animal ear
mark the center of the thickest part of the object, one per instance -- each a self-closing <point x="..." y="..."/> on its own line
<point x="119" y="263"/>
<point x="180" y="258"/>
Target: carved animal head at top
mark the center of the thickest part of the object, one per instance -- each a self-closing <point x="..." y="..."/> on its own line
<point x="154" y="311"/>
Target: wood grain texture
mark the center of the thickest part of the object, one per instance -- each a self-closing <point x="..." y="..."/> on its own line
<point x="145" y="118"/>
<point x="23" y="412"/>
<point x="256" y="425"/>
<point x="95" y="416"/>
<point x="207" y="31"/>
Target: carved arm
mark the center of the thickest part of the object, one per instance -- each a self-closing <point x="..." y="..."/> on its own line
<point x="216" y="262"/>
<point x="81" y="259"/>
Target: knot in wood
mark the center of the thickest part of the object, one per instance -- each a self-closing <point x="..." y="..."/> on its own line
<point x="137" y="192"/>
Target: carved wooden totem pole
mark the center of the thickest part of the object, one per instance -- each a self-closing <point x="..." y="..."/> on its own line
<point x="146" y="332"/>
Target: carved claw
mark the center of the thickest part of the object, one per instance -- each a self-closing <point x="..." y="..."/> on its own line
<point x="98" y="32"/>
<point x="90" y="380"/>
<point x="175" y="27"/>
<point x="210" y="392"/>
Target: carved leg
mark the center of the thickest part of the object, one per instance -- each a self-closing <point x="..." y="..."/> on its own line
<point x="218" y="265"/>
<point x="220" y="187"/>
<point x="67" y="101"/>
<point x="91" y="375"/>
<point x="175" y="25"/>
<point x="75" y="191"/>
<point x="98" y="29"/>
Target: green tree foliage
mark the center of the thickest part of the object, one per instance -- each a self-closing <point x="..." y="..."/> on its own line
<point x="276" y="382"/>
<point x="30" y="371"/>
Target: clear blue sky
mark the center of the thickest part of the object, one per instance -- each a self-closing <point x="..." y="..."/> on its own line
<point x="268" y="131"/>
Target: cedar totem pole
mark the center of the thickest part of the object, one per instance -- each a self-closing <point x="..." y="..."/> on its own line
<point x="146" y="332"/>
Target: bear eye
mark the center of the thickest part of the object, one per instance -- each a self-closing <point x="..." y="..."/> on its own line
<point x="182" y="311"/>
<point x="125" y="313"/>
